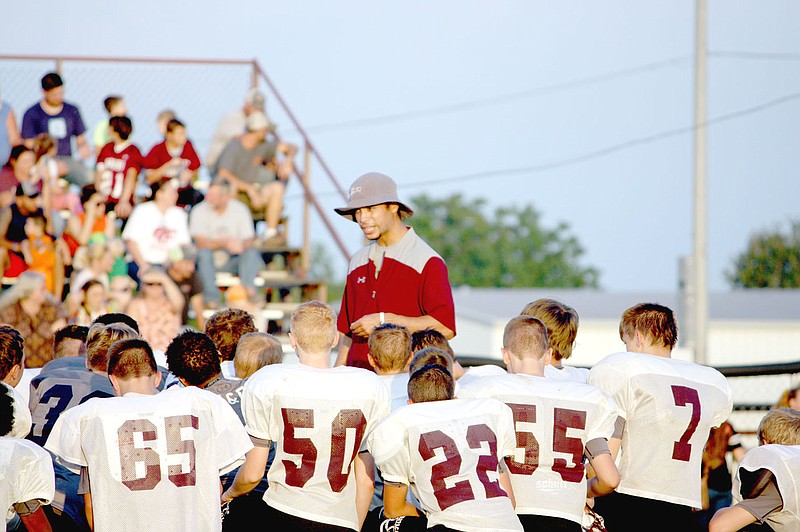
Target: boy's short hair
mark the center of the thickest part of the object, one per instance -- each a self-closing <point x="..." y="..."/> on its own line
<point x="561" y="322"/>
<point x="12" y="349"/>
<point x="313" y="326"/>
<point x="654" y="321"/>
<point x="193" y="357"/>
<point x="69" y="332"/>
<point x="51" y="80"/>
<point x="526" y="337"/>
<point x="254" y="351"/>
<point x="430" y="355"/>
<point x="6" y="410"/>
<point x="99" y="340"/>
<point x="431" y="338"/>
<point x="431" y="382"/>
<point x="117" y="317"/>
<point x="781" y="426"/>
<point x="131" y="358"/>
<point x="390" y="346"/>
<point x="226" y="327"/>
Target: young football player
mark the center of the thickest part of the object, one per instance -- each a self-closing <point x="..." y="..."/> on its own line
<point x="389" y="355"/>
<point x="63" y="384"/>
<point x="149" y="453"/>
<point x="562" y="328"/>
<point x="558" y="422"/>
<point x="667" y="409"/>
<point x="12" y="365"/>
<point x="26" y="471"/>
<point x="254" y="351"/>
<point x="318" y="417"/>
<point x="767" y="484"/>
<point x="449" y="452"/>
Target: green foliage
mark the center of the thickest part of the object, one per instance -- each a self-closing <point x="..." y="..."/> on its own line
<point x="322" y="270"/>
<point x="508" y="249"/>
<point x="771" y="260"/>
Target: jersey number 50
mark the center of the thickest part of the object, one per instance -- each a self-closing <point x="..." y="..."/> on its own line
<point x="129" y="454"/>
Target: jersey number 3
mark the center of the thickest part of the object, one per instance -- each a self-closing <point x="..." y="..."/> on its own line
<point x="130" y="454"/>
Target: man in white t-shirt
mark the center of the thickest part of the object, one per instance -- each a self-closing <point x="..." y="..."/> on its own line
<point x="318" y="417"/>
<point x="151" y="454"/>
<point x="667" y="408"/>
<point x="767" y="484"/>
<point x="558" y="422"/>
<point x="450" y="453"/>
<point x="222" y="229"/>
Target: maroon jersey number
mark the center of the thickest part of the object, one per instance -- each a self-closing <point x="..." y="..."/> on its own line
<point x="130" y="455"/>
<point x="461" y="490"/>
<point x="298" y="476"/>
<point x="684" y="396"/>
<point x="525" y="440"/>
<point x="564" y="419"/>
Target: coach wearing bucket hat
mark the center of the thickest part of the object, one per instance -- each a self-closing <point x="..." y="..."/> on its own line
<point x="397" y="278"/>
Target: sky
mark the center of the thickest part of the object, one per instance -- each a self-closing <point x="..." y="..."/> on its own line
<point x="582" y="109"/>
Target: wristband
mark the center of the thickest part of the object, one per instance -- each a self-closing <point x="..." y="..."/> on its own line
<point x="382" y="318"/>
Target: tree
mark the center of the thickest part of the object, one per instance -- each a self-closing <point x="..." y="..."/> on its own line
<point x="771" y="260"/>
<point x="509" y="249"/>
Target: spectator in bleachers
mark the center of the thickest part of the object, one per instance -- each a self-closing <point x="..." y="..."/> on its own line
<point x="222" y="229"/>
<point x="26" y="202"/>
<point x="35" y="313"/>
<point x="157" y="309"/>
<point x="156" y="229"/>
<point x="62" y="121"/>
<point x="232" y="125"/>
<point x="175" y="158"/>
<point x="181" y="268"/>
<point x="93" y="303"/>
<point x="44" y="254"/>
<point x="118" y="165"/>
<point x="162" y="119"/>
<point x="92" y="263"/>
<point x="120" y="293"/>
<point x="250" y="162"/>
<point x="93" y="226"/>
<point x="790" y="399"/>
<point x="9" y="132"/>
<point x="115" y="106"/>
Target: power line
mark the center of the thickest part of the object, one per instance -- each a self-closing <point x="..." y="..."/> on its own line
<point x="614" y="148"/>
<point x="776" y="56"/>
<point x="502" y="98"/>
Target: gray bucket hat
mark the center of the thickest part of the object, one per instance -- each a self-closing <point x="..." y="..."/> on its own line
<point x="372" y="189"/>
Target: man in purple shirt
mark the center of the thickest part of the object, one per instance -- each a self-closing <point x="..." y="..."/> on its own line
<point x="62" y="121"/>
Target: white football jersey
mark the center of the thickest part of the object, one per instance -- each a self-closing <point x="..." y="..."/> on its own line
<point x="22" y="415"/>
<point x="669" y="408"/>
<point x="448" y="452"/>
<point x="784" y="462"/>
<point x="397" y="386"/>
<point x="26" y="473"/>
<point x="554" y="419"/>
<point x="319" y="420"/>
<point x="153" y="458"/>
<point x="567" y="373"/>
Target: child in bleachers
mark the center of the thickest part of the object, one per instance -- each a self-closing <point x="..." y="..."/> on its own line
<point x="44" y="254"/>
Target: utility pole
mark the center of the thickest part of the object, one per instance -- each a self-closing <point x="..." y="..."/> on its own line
<point x="700" y="186"/>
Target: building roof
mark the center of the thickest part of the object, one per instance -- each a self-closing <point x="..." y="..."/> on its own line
<point x="490" y="304"/>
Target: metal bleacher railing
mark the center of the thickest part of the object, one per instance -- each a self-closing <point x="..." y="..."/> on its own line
<point x="200" y="91"/>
